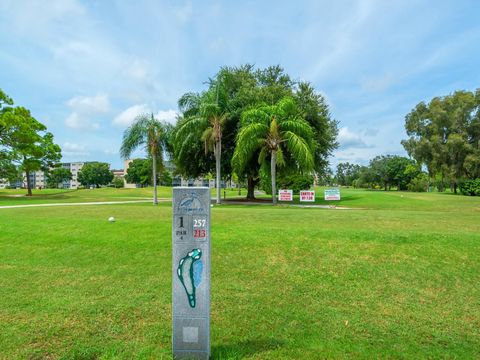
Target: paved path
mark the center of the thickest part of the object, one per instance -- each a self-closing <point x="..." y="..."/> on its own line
<point x="82" y="203"/>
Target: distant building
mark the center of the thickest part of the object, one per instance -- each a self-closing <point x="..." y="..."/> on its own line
<point x="118" y="173"/>
<point x="127" y="185"/>
<point x="74" y="168"/>
<point x="38" y="179"/>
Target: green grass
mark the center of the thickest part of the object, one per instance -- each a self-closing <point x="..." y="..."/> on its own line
<point x="18" y="197"/>
<point x="396" y="277"/>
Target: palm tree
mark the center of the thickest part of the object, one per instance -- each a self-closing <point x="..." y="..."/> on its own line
<point x="276" y="131"/>
<point x="147" y="131"/>
<point x="206" y="124"/>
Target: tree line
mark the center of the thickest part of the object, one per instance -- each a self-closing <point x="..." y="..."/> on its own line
<point x="248" y="124"/>
<point x="443" y="145"/>
<point x="383" y="172"/>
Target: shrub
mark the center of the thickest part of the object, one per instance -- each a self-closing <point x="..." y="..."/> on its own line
<point x="419" y="183"/>
<point x="293" y="182"/>
<point x="470" y="187"/>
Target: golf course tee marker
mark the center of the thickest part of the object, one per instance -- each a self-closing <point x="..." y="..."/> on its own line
<point x="191" y="272"/>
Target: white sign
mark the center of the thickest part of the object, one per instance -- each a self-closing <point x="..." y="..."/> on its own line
<point x="332" y="194"/>
<point x="285" y="195"/>
<point x="307" y="195"/>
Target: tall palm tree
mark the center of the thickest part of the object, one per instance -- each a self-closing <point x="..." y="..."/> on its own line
<point x="149" y="132"/>
<point x="205" y="125"/>
<point x="275" y="130"/>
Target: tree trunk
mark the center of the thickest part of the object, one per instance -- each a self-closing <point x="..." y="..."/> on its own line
<point x="29" y="185"/>
<point x="273" y="167"/>
<point x="218" y="154"/>
<point x="250" y="188"/>
<point x="155" y="199"/>
<point x="454" y="186"/>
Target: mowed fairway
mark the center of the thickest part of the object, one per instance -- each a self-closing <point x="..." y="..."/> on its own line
<point x="398" y="276"/>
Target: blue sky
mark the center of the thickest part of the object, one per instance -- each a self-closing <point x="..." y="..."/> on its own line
<point x="87" y="68"/>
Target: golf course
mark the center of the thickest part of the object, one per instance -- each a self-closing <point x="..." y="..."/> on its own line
<point x="385" y="273"/>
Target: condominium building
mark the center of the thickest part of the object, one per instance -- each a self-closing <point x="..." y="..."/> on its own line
<point x="74" y="168"/>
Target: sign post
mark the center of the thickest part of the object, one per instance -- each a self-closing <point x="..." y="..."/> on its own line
<point x="191" y="273"/>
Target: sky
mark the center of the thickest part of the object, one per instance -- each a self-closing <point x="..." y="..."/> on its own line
<point x="87" y="68"/>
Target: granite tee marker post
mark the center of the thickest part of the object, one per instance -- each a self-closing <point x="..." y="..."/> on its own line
<point x="191" y="273"/>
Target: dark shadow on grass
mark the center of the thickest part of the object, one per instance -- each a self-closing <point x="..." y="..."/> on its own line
<point x="245" y="348"/>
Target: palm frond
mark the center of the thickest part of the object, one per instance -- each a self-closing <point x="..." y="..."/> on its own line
<point x="194" y="124"/>
<point x="189" y="103"/>
<point x="300" y="150"/>
<point x="255" y="115"/>
<point x="134" y="136"/>
<point x="280" y="157"/>
<point x="297" y="126"/>
<point x="208" y="138"/>
<point x="249" y="139"/>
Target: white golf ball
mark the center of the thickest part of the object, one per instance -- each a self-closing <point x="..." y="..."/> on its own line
<point x="111" y="219"/>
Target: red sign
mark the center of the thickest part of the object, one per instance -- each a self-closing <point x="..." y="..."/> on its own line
<point x="307" y="195"/>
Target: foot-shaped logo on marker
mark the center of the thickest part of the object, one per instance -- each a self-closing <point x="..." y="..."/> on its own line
<point x="190" y="274"/>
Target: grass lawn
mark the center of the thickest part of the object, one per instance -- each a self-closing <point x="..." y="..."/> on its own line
<point x="18" y="197"/>
<point x="395" y="277"/>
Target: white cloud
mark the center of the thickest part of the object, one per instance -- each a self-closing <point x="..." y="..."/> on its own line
<point x="126" y="117"/>
<point x="89" y="105"/>
<point x="83" y="109"/>
<point x="348" y="139"/>
<point x="169" y="116"/>
<point x="73" y="149"/>
<point x="77" y="122"/>
<point x="68" y="146"/>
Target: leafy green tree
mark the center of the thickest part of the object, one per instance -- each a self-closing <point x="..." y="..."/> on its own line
<point x="58" y="175"/>
<point x="7" y="168"/>
<point x="444" y="135"/>
<point x="95" y="173"/>
<point x="388" y="170"/>
<point x="236" y="90"/>
<point x="206" y="123"/>
<point x="148" y="132"/>
<point x="118" y="182"/>
<point x="400" y="171"/>
<point x="419" y="183"/>
<point x="347" y="173"/>
<point x="139" y="172"/>
<point x="30" y="145"/>
<point x="275" y="130"/>
<point x="316" y="112"/>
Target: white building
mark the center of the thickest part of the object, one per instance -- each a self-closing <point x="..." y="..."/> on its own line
<point x="74" y="168"/>
<point x="38" y="179"/>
